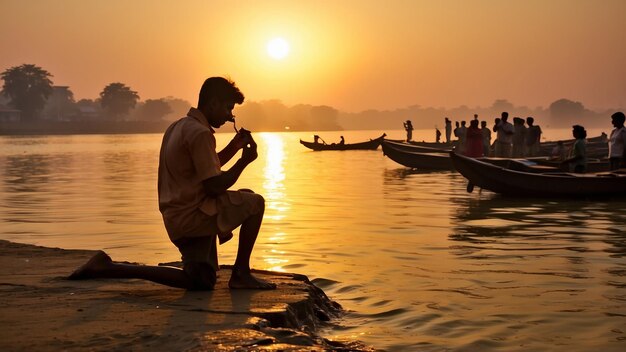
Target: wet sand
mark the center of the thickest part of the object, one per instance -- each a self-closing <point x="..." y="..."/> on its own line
<point x="41" y="310"/>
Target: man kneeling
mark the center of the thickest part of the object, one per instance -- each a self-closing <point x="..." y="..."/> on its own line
<point x="195" y="202"/>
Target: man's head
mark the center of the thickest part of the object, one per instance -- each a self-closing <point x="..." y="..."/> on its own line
<point x="579" y="131"/>
<point x="618" y="119"/>
<point x="217" y="99"/>
<point x="483" y="124"/>
<point x="530" y="121"/>
<point x="504" y="116"/>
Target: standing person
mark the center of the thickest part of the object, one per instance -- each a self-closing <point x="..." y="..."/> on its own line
<point x="448" y="129"/>
<point x="462" y="137"/>
<point x="474" y="141"/>
<point x="195" y="200"/>
<point x="577" y="160"/>
<point x="486" y="134"/>
<point x="617" y="142"/>
<point x="519" y="137"/>
<point x="408" y="127"/>
<point x="504" y="137"/>
<point x="533" y="138"/>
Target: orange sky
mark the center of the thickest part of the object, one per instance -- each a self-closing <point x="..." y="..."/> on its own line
<point x="353" y="55"/>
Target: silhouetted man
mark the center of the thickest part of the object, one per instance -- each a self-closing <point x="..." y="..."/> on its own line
<point x="533" y="138"/>
<point x="617" y="141"/>
<point x="408" y="127"/>
<point x="195" y="200"/>
<point x="504" y="137"/>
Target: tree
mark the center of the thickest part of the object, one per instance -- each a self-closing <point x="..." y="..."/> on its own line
<point x="501" y="105"/>
<point x="564" y="112"/>
<point x="28" y="87"/>
<point x="179" y="107"/>
<point x="60" y="105"/>
<point x="154" y="110"/>
<point x="117" y="99"/>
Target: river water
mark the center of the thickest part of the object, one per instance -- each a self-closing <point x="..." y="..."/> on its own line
<point x="419" y="264"/>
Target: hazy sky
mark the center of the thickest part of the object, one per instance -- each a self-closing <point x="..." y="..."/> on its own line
<point x="353" y="55"/>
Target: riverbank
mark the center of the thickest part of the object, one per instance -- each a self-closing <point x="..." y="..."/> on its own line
<point x="43" y="311"/>
<point x="81" y="127"/>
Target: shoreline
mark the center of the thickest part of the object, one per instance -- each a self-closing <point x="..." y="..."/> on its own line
<point x="37" y="128"/>
<point x="43" y="311"/>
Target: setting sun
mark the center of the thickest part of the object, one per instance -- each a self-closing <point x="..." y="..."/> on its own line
<point x="278" y="48"/>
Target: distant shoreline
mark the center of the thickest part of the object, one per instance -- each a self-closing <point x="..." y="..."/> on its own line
<point x="81" y="127"/>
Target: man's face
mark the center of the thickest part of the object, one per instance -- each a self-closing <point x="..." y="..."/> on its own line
<point x="615" y="122"/>
<point x="220" y="112"/>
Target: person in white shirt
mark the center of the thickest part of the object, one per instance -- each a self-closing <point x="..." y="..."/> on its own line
<point x="617" y="142"/>
<point x="504" y="137"/>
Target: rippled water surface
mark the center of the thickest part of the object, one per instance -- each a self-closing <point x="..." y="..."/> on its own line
<point x="420" y="264"/>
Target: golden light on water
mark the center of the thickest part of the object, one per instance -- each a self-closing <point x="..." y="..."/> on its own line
<point x="274" y="174"/>
<point x="276" y="207"/>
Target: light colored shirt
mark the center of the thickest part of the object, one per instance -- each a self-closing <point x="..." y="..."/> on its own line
<point x="617" y="142"/>
<point x="505" y="132"/>
<point x="188" y="157"/>
<point x="579" y="149"/>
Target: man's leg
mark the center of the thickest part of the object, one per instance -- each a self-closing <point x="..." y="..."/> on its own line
<point x="241" y="276"/>
<point x="101" y="266"/>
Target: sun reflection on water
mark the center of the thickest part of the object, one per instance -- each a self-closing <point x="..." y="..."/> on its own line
<point x="276" y="207"/>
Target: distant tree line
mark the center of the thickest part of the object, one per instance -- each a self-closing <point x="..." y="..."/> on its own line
<point x="29" y="89"/>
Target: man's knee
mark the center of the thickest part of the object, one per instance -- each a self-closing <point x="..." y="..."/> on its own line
<point x="260" y="201"/>
<point x="202" y="276"/>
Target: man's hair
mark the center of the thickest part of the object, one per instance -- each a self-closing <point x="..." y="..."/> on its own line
<point x="580" y="131"/>
<point x="619" y="117"/>
<point x="220" y="88"/>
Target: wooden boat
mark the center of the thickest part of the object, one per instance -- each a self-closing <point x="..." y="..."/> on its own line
<point x="517" y="183"/>
<point x="595" y="146"/>
<point x="444" y="145"/>
<point x="372" y="144"/>
<point x="417" y="160"/>
<point x="593" y="165"/>
<point x="416" y="148"/>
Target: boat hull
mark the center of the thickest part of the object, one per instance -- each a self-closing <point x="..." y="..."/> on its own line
<point x="416" y="160"/>
<point x="516" y="183"/>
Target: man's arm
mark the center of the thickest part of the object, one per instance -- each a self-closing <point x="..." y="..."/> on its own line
<point x="219" y="184"/>
<point x="238" y="142"/>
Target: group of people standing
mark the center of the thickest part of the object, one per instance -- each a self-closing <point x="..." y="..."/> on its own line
<point x="517" y="140"/>
<point x="522" y="138"/>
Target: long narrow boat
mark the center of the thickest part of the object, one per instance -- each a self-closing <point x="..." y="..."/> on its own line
<point x="417" y="160"/>
<point x="516" y="183"/>
<point x="447" y="146"/>
<point x="372" y="144"/>
<point x="411" y="147"/>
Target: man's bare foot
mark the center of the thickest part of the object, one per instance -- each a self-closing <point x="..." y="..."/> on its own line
<point x="246" y="280"/>
<point x="89" y="270"/>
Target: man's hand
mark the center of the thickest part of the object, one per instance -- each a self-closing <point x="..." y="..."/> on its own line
<point x="241" y="139"/>
<point x="249" y="151"/>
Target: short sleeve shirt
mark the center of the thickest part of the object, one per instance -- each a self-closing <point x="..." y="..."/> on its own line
<point x="617" y="142"/>
<point x="505" y="132"/>
<point x="188" y="157"/>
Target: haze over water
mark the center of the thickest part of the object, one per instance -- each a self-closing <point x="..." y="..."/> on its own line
<point x="418" y="263"/>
